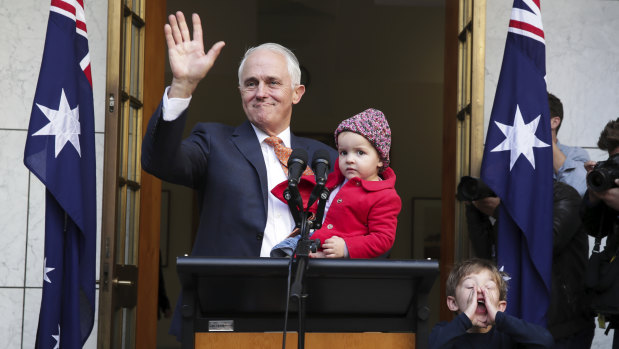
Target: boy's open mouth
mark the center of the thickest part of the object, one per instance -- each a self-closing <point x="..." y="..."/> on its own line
<point x="481" y="307"/>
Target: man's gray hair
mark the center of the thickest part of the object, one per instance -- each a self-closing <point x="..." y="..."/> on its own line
<point x="292" y="62"/>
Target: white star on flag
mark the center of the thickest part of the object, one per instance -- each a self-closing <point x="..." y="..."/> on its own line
<point x="520" y="139"/>
<point x="57" y="338"/>
<point x="47" y="270"/>
<point x="63" y="123"/>
<point x="505" y="276"/>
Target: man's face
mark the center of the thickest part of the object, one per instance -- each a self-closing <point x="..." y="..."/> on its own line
<point x="267" y="93"/>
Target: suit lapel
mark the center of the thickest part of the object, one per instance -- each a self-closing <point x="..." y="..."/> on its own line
<point x="297" y="142"/>
<point x="246" y="141"/>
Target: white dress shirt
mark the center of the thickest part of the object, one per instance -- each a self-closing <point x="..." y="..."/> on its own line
<point x="279" y="219"/>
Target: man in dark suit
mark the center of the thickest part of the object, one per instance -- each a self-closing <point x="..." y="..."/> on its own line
<point x="233" y="169"/>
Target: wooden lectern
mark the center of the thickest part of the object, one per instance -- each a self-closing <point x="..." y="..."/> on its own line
<point x="351" y="303"/>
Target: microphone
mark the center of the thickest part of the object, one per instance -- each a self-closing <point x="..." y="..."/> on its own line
<point x="297" y="162"/>
<point x="320" y="166"/>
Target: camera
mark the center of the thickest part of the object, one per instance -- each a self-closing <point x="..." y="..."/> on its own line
<point x="471" y="189"/>
<point x="603" y="175"/>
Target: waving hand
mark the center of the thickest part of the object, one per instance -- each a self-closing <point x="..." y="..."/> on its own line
<point x="188" y="61"/>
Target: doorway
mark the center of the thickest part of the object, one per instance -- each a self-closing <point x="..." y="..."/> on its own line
<point x="384" y="54"/>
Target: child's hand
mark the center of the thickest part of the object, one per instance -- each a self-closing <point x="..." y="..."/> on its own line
<point x="335" y="247"/>
<point x="477" y="319"/>
<point x="471" y="305"/>
<point x="317" y="254"/>
<point x="490" y="305"/>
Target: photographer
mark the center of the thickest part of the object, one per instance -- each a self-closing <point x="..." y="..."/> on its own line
<point x="600" y="214"/>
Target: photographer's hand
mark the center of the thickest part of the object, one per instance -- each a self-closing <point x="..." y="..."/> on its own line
<point x="594" y="197"/>
<point x="610" y="196"/>
<point x="487" y="205"/>
<point x="589" y="165"/>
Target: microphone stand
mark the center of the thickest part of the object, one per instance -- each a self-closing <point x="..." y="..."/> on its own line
<point x="292" y="197"/>
<point x="304" y="247"/>
<point x="297" y="290"/>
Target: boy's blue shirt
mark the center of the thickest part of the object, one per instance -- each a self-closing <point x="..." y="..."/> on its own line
<point x="507" y="332"/>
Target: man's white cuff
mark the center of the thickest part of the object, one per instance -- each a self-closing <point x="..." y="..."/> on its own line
<point x="173" y="107"/>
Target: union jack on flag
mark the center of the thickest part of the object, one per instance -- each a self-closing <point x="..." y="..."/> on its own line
<point x="528" y="22"/>
<point x="60" y="151"/>
<point x="517" y="165"/>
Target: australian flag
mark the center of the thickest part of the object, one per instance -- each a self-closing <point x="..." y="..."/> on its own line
<point x="60" y="151"/>
<point x="517" y="165"/>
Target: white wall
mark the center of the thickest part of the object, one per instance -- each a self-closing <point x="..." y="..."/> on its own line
<point x="582" y="69"/>
<point x="22" y="206"/>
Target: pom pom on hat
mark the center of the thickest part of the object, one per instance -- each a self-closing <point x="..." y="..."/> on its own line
<point x="372" y="125"/>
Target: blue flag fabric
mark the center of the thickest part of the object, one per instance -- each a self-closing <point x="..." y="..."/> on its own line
<point x="517" y="165"/>
<point x="60" y="151"/>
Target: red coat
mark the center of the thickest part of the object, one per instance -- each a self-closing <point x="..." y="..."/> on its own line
<point x="363" y="213"/>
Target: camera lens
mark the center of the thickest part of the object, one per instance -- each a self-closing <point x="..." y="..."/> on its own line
<point x="598" y="181"/>
<point x="470" y="189"/>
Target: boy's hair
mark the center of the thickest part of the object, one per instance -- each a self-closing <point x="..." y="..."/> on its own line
<point x="472" y="266"/>
<point x="609" y="137"/>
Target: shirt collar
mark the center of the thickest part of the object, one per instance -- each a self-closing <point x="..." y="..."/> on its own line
<point x="285" y="135"/>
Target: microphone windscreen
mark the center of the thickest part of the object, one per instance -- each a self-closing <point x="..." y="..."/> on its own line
<point x="320" y="156"/>
<point x="297" y="155"/>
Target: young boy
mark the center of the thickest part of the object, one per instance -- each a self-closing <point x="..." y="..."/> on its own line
<point x="477" y="293"/>
<point x="361" y="214"/>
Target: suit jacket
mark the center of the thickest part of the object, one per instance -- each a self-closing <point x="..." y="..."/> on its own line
<point x="224" y="164"/>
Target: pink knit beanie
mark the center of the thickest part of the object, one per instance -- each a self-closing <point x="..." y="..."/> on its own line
<point x="372" y="125"/>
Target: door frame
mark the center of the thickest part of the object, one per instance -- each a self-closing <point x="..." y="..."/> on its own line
<point x="463" y="125"/>
<point x="150" y="191"/>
